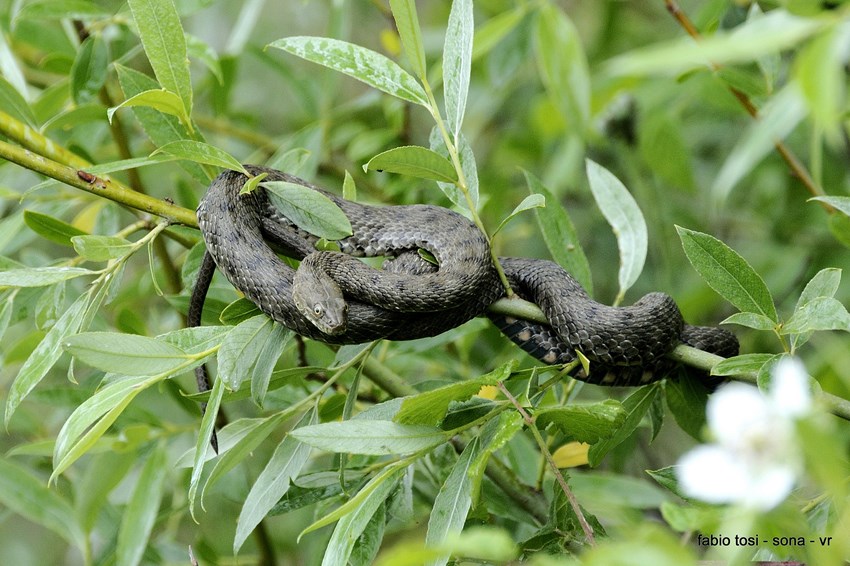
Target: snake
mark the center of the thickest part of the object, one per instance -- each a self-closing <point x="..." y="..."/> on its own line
<point x="336" y="298"/>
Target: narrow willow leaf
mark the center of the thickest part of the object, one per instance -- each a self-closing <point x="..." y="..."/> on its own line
<point x="840" y="203"/>
<point x="273" y="482"/>
<point x="529" y="202"/>
<point x="821" y="313"/>
<point x="264" y="365"/>
<point x="775" y="31"/>
<point x="349" y="188"/>
<point x="777" y="119"/>
<point x="75" y="117"/>
<point x="41" y="276"/>
<point x="162" y="100"/>
<point x="415" y="161"/>
<point x="125" y="354"/>
<point x="240" y="350"/>
<point x="358" y="62"/>
<point x="16" y="105"/>
<point x="309" y="210"/>
<point x="93" y="418"/>
<point x="44" y="356"/>
<point x="201" y="152"/>
<point x="237" y="441"/>
<point x="239" y="311"/>
<point x="88" y="74"/>
<point x="160" y="128"/>
<point x="560" y="235"/>
<point x="636" y="406"/>
<point x="374" y="437"/>
<point x="352" y="524"/>
<point x="750" y="320"/>
<point x="201" y="51"/>
<point x="138" y="518"/>
<point x="202" y="445"/>
<point x="50" y="228"/>
<point x="824" y="284"/>
<point x="563" y="65"/>
<point x="101" y="248"/>
<point x="622" y="213"/>
<point x="132" y="163"/>
<point x="739" y="365"/>
<point x="467" y="165"/>
<point x="253" y="182"/>
<point x="494" y="435"/>
<point x="61" y="9"/>
<point x="430" y="407"/>
<point x="457" y="62"/>
<point x="452" y="504"/>
<point x="819" y="70"/>
<point x="727" y="273"/>
<point x="686" y="397"/>
<point x="588" y="422"/>
<point x="30" y="497"/>
<point x="165" y="45"/>
<point x="407" y="23"/>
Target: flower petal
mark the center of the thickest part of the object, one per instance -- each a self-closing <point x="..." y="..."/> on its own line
<point x="712" y="474"/>
<point x="789" y="389"/>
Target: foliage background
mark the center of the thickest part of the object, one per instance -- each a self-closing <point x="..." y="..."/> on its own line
<point x="665" y="132"/>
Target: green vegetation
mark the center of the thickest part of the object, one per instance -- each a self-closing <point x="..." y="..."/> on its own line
<point x="699" y="149"/>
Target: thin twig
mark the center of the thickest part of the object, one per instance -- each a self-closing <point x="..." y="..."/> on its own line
<point x="529" y="421"/>
<point x="794" y="164"/>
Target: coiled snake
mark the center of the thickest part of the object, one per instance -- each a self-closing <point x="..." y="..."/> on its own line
<point x="411" y="298"/>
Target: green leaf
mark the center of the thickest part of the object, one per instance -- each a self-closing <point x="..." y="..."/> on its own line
<point x="622" y="213"/>
<point x="824" y="284"/>
<point x="349" y="188"/>
<point x="772" y="33"/>
<point x="239" y="311"/>
<point x="61" y="9"/>
<point x="45" y="355"/>
<point x="139" y="516"/>
<point x="739" y="365"/>
<point x="161" y="99"/>
<point x="407" y="23"/>
<point x="50" y="228"/>
<point x="201" y="152"/>
<point x="750" y="320"/>
<point x="587" y="422"/>
<point x="686" y="398"/>
<point x="41" y="276"/>
<point x="636" y="405"/>
<point x="560" y="235"/>
<point x="241" y="348"/>
<point x="452" y="504"/>
<point x="92" y="419"/>
<point x="563" y="66"/>
<point x="467" y="165"/>
<point x="200" y="50"/>
<point x="374" y="437"/>
<point x="529" y="202"/>
<point x="101" y="248"/>
<point x="165" y="45"/>
<point x="415" y="161"/>
<point x="30" y="497"/>
<point x="202" y="444"/>
<point x="270" y="351"/>
<point x="352" y="524"/>
<point x="457" y="62"/>
<point x="840" y="203"/>
<point x="88" y="73"/>
<point x="273" y="482"/>
<point x="358" y="62"/>
<point x="821" y="313"/>
<point x="16" y="105"/>
<point x="819" y="70"/>
<point x="727" y="273"/>
<point x="777" y="119"/>
<point x="125" y="354"/>
<point x="160" y="128"/>
<point x="309" y="210"/>
<point x="430" y="407"/>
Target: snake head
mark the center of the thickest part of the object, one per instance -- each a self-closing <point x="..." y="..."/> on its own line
<point x="320" y="300"/>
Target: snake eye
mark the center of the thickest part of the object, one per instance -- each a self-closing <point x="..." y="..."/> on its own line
<point x="318" y="310"/>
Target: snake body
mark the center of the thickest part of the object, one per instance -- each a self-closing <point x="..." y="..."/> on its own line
<point x="411" y="298"/>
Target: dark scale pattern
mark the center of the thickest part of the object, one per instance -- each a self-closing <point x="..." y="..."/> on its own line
<point x="625" y="345"/>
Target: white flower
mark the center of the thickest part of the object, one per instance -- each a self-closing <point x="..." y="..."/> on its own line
<point x="754" y="460"/>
